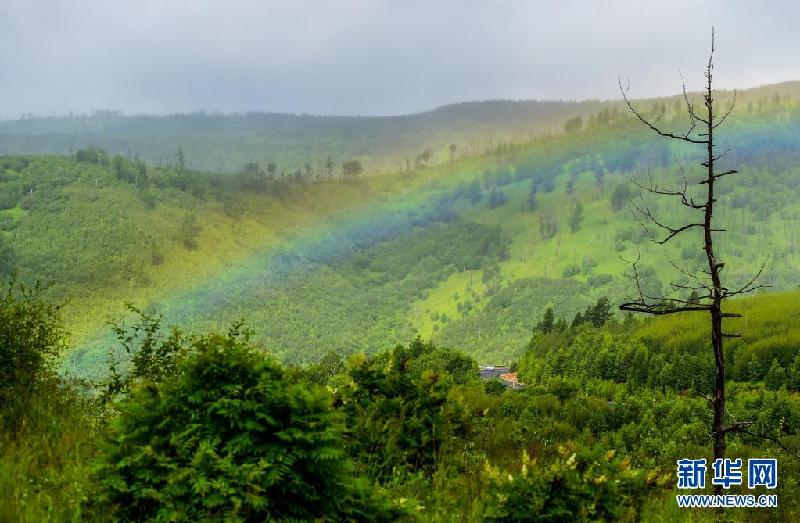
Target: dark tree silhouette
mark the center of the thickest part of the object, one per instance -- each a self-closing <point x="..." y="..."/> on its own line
<point x="708" y="290"/>
<point x="329" y="166"/>
<point x="351" y="170"/>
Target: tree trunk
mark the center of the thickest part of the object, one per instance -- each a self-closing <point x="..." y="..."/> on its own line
<point x="718" y="423"/>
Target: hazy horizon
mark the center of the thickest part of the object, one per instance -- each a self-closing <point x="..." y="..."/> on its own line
<point x="94" y="112"/>
<point x="372" y="58"/>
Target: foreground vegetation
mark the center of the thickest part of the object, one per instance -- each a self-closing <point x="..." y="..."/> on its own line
<point x="192" y="427"/>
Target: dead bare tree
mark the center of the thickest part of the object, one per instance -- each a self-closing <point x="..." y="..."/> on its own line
<point x="700" y="132"/>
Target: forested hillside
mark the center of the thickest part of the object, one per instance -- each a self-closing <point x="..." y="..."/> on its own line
<point x="315" y="146"/>
<point x="306" y="143"/>
<point x="290" y="143"/>
<point x="263" y="345"/>
<point x="469" y="253"/>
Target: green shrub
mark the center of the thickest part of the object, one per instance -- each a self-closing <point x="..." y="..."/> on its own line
<point x="228" y="437"/>
<point x="581" y="485"/>
<point x="31" y="338"/>
<point x="149" y="354"/>
<point x="396" y="407"/>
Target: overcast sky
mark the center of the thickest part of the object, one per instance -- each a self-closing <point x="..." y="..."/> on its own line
<point x="373" y="57"/>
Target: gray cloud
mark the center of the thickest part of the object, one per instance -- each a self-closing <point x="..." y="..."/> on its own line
<point x="372" y="57"/>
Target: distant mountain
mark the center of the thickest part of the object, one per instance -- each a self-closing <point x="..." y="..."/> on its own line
<point x="226" y="143"/>
<point x="216" y="142"/>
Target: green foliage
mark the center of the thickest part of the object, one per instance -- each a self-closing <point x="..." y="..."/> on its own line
<point x="45" y="460"/>
<point x="620" y="196"/>
<point x="204" y="427"/>
<point x="505" y="321"/>
<point x="396" y="407"/>
<point x="576" y="217"/>
<point x="7" y="260"/>
<point x="148" y="355"/>
<point x="497" y="198"/>
<point x="351" y="169"/>
<point x="548" y="321"/>
<point x="776" y="376"/>
<point x="46" y="426"/>
<point x="597" y="315"/>
<point x="328" y="366"/>
<point x="31" y="340"/>
<point x="213" y="141"/>
<point x="571" y="270"/>
<point x="188" y="232"/>
<point x="597" y="354"/>
<point x="228" y="437"/>
<point x="581" y="485"/>
<point x="573" y="124"/>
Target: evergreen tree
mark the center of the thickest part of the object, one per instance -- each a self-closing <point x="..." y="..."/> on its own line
<point x="497" y="198"/>
<point x="7" y="258"/>
<point x="181" y="160"/>
<point x="31" y="339"/>
<point x="793" y="374"/>
<point x="600" y="313"/>
<point x="351" y="170"/>
<point x="548" y="321"/>
<point x="576" y="217"/>
<point x="531" y="204"/>
<point x="754" y="370"/>
<point x="474" y="192"/>
<point x="188" y="232"/>
<point x="620" y="196"/>
<point x="776" y="376"/>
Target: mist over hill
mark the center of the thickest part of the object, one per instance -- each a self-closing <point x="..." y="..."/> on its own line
<point x="229" y="142"/>
<point x="224" y="143"/>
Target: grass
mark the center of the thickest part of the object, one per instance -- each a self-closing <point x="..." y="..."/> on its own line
<point x="45" y="464"/>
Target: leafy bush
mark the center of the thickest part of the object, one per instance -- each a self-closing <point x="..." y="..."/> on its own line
<point x="571" y="270"/>
<point x="31" y="338"/>
<point x="227" y="437"/>
<point x="600" y="280"/>
<point x="149" y="354"/>
<point x="396" y="407"/>
<point x="581" y="485"/>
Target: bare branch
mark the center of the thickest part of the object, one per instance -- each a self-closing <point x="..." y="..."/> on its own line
<point x="751" y="285"/>
<point x="719" y="175"/>
<point x="693" y="117"/>
<point x="685" y="137"/>
<point x="659" y="309"/>
<point x="673" y="231"/>
<point x="683" y="194"/>
<point x="739" y="427"/>
<point x="701" y="284"/>
<point x="727" y="113"/>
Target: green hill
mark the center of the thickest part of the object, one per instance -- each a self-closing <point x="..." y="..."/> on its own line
<point x="335" y="278"/>
<point x="468" y="252"/>
<point x="227" y="143"/>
